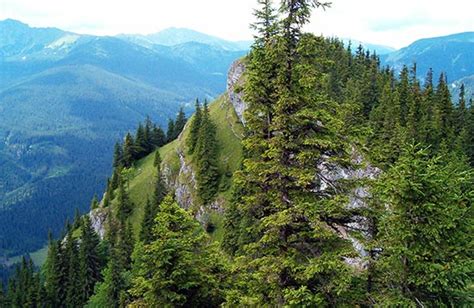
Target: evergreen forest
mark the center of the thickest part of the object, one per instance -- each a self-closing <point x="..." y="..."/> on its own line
<point x="353" y="186"/>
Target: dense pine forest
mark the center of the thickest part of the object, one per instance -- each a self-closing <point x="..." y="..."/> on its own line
<point x="297" y="232"/>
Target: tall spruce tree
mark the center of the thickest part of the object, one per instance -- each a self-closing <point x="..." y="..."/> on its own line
<point x="129" y="152"/>
<point x="89" y="261"/>
<point x="118" y="155"/>
<point x="124" y="205"/>
<point x="141" y="143"/>
<point x="73" y="282"/>
<point x="158" y="137"/>
<point x="179" y="123"/>
<point x="148" y="222"/>
<point x="443" y="115"/>
<point x="170" y="133"/>
<point x="207" y="173"/>
<point x="53" y="274"/>
<point x="293" y="257"/>
<point x="159" y="191"/>
<point x="195" y="127"/>
<point x="148" y="134"/>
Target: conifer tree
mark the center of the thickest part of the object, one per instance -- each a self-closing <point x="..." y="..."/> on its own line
<point x="195" y="127"/>
<point x="54" y="284"/>
<point x="180" y="267"/>
<point x="125" y="246"/>
<point x="427" y="126"/>
<point x="125" y="205"/>
<point x="73" y="282"/>
<point x="94" y="202"/>
<point x="386" y="118"/>
<point x="207" y="174"/>
<point x="158" y="137"/>
<point x="403" y="89"/>
<point x="443" y="114"/>
<point x="292" y="257"/>
<point x="129" y="153"/>
<point x="157" y="160"/>
<point x="414" y="114"/>
<point x="426" y="233"/>
<point x="89" y="261"/>
<point x="141" y="143"/>
<point x="171" y="131"/>
<point x="118" y="155"/>
<point x="159" y="191"/>
<point x="148" y="134"/>
<point x="77" y="219"/>
<point x="266" y="22"/>
<point x="109" y="292"/>
<point x="461" y="111"/>
<point x="148" y="222"/>
<point x="180" y="122"/>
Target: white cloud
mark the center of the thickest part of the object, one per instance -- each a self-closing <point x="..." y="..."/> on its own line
<point x="393" y="23"/>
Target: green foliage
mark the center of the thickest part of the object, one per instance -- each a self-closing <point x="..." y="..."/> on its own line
<point x="205" y="157"/>
<point x="94" y="203"/>
<point x="425" y="231"/>
<point x="24" y="289"/>
<point x="180" y="267"/>
<point x="90" y="263"/>
<point x="195" y="127"/>
<point x="175" y="127"/>
<point x="124" y="205"/>
<point x="281" y="227"/>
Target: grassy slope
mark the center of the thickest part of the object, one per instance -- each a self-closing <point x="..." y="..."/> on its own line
<point x="229" y="132"/>
<point x="141" y="177"/>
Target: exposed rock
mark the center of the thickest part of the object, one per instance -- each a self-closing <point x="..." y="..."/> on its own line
<point x="330" y="175"/>
<point x="234" y="88"/>
<point x="185" y="183"/>
<point x="98" y="219"/>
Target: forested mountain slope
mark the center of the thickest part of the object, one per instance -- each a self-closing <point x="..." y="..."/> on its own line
<point x="349" y="185"/>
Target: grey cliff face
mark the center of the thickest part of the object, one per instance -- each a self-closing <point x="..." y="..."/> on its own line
<point x="234" y="89"/>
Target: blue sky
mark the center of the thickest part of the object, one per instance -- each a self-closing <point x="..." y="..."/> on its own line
<point x="393" y="23"/>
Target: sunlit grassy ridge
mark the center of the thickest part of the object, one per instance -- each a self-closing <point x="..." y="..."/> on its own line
<point x="141" y="177"/>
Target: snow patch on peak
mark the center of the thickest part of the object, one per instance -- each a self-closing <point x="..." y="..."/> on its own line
<point x="64" y="42"/>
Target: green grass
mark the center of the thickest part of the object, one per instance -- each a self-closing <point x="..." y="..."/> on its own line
<point x="142" y="175"/>
<point x="38" y="257"/>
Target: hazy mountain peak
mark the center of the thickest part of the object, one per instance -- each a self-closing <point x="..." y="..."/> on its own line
<point x="12" y="22"/>
<point x="176" y="36"/>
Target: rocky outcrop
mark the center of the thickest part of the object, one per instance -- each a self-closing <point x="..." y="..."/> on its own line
<point x="185" y="183"/>
<point x="98" y="219"/>
<point x="330" y="176"/>
<point x="234" y="88"/>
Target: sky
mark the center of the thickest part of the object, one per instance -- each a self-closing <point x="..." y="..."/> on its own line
<point x="395" y="23"/>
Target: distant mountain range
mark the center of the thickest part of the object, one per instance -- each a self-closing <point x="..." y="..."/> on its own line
<point x="177" y="36"/>
<point x="65" y="98"/>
